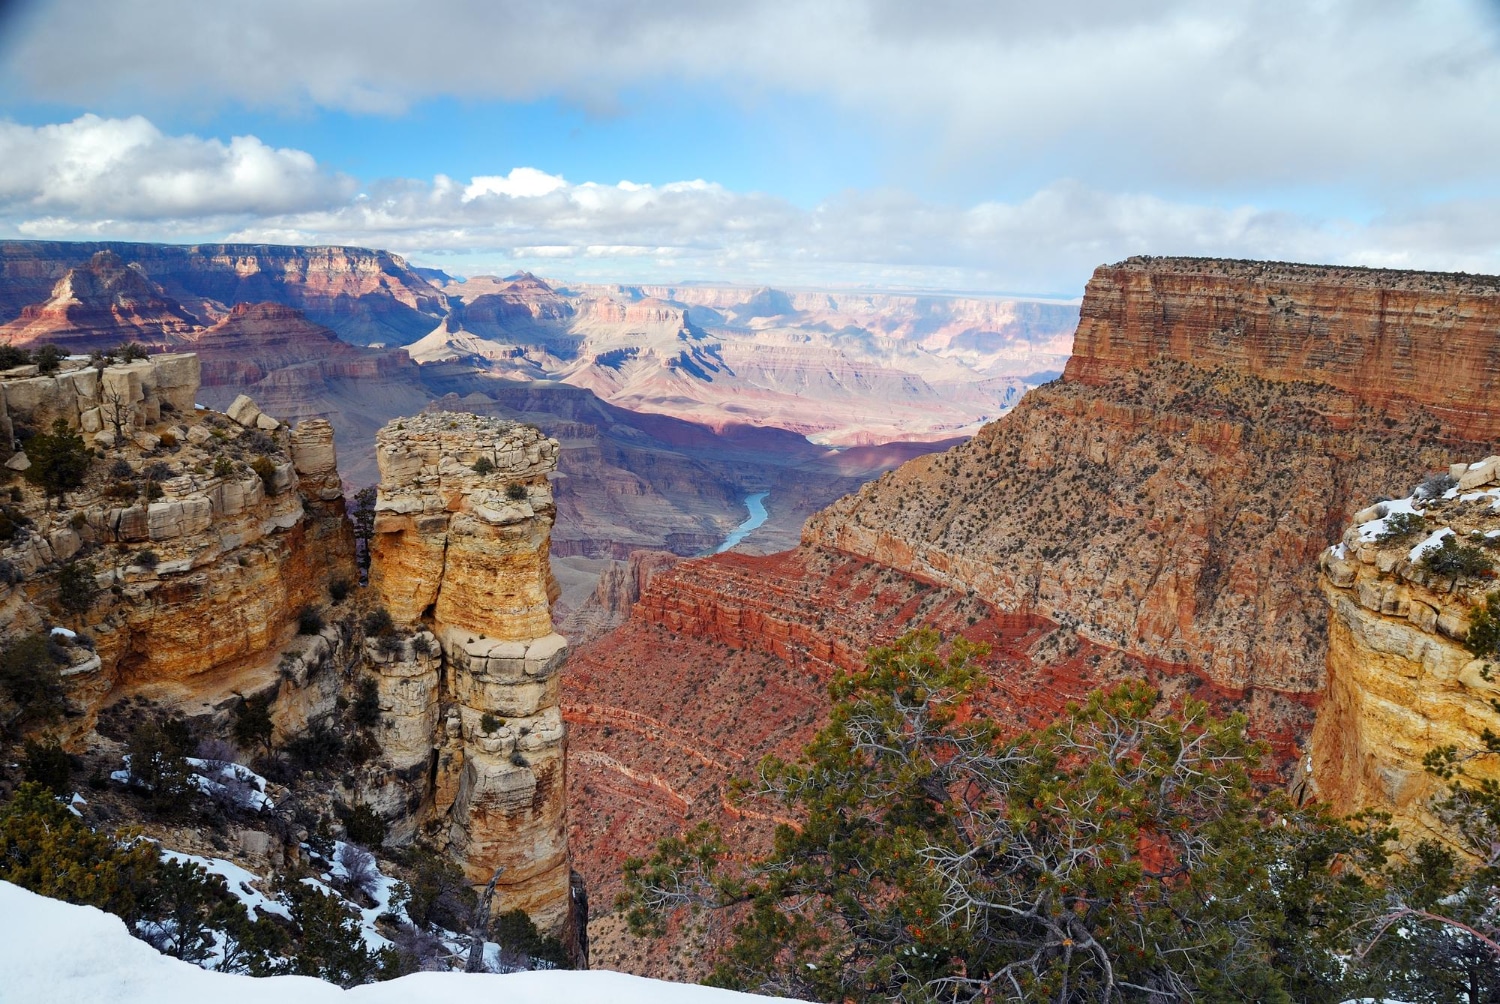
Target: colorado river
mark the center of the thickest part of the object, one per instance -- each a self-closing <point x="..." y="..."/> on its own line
<point x="757" y="517"/>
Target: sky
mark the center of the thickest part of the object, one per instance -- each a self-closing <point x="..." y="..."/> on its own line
<point x="1002" y="146"/>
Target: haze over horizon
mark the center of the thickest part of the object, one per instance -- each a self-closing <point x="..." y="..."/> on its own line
<point x="855" y="143"/>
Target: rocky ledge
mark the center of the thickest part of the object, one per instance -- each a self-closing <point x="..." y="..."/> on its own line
<point x="1403" y="586"/>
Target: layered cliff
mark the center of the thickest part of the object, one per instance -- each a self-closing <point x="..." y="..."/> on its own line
<point x="365" y="295"/>
<point x="203" y="536"/>
<point x="98" y="305"/>
<point x="460" y="553"/>
<point x="1401" y="682"/>
<point x="1216" y="424"/>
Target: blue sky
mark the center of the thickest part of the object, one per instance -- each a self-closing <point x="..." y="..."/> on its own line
<point x="993" y="145"/>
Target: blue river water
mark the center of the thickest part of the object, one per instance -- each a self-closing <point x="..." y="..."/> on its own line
<point x="757" y="517"/>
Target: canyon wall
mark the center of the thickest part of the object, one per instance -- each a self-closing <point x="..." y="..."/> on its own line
<point x="204" y="536"/>
<point x="1401" y="683"/>
<point x="462" y="554"/>
<point x="1213" y="430"/>
<point x="365" y="295"/>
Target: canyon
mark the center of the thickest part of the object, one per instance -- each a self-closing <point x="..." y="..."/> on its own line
<point x="1159" y="511"/>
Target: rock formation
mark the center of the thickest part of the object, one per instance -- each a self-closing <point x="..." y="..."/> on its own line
<point x="98" y="305"/>
<point x="204" y="538"/>
<point x="463" y="554"/>
<point x="366" y="296"/>
<point x="1400" y="681"/>
<point x="1216" y="425"/>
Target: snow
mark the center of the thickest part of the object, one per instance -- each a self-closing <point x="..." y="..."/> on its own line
<point x="62" y="632"/>
<point x="211" y="777"/>
<point x="1375" y="527"/>
<point x="1339" y="551"/>
<point x="240" y="882"/>
<point x="55" y="951"/>
<point x="1431" y="543"/>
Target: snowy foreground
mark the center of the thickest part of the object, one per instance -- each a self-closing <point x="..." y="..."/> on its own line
<point x="52" y="952"/>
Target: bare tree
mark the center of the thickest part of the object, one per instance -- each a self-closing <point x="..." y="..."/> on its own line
<point x="479" y="924"/>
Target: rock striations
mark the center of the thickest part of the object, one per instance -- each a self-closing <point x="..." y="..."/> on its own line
<point x="1401" y="683"/>
<point x="460" y="550"/>
<point x="1216" y="425"/>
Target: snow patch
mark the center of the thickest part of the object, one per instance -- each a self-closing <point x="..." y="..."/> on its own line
<point x="1432" y="543"/>
<point x="1368" y="532"/>
<point x="55" y="951"/>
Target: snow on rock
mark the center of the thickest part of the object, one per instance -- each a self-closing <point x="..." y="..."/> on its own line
<point x="241" y="883"/>
<point x="1372" y="529"/>
<point x="55" y="951"/>
<point x="1431" y="543"/>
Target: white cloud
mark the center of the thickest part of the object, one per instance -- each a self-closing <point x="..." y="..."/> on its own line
<point x="122" y="178"/>
<point x="520" y="183"/>
<point x="1218" y="95"/>
<point x="127" y="169"/>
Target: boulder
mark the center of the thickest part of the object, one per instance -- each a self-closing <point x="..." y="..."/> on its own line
<point x="243" y="411"/>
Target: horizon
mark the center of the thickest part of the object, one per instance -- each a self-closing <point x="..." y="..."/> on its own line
<point x="968" y="148"/>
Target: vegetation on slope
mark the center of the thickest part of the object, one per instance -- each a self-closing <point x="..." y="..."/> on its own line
<point x="1122" y="853"/>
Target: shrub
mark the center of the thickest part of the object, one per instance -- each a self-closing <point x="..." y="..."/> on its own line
<point x="378" y="623"/>
<point x="11" y="357"/>
<point x="338" y="589"/>
<point x="59" y="460"/>
<point x="1435" y="486"/>
<point x="332" y="945"/>
<point x="522" y="945"/>
<point x="153" y="491"/>
<point x="319" y="746"/>
<point x="1401" y="526"/>
<point x="436" y="892"/>
<point x="77" y="587"/>
<point x="159" y="471"/>
<point x="49" y="765"/>
<point x="29" y="677"/>
<point x="168" y="439"/>
<point x="223" y="466"/>
<point x="47" y="358"/>
<point x="366" y="707"/>
<point x="146" y="559"/>
<point x="266" y="468"/>
<point x="1454" y="558"/>
<point x="359" y="867"/>
<point x="484" y="465"/>
<point x="488" y="723"/>
<point x="309" y="620"/>
<point x="515" y="491"/>
<point x="158" y="770"/>
<point x="363" y="826"/>
<point x="252" y="723"/>
<point x="129" y="352"/>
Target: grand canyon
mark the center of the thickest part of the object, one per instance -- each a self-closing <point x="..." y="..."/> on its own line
<point x="557" y="671"/>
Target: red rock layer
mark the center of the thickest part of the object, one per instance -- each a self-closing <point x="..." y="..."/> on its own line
<point x="1395" y="340"/>
<point x="727" y="659"/>
<point x="98" y="305"/>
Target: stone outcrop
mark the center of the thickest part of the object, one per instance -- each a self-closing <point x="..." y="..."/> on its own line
<point x="1400" y="681"/>
<point x="203" y="561"/>
<point x="464" y="554"/>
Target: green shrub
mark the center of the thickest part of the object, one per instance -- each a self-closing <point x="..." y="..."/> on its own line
<point x="338" y="589"/>
<point x="488" y="723"/>
<point x="362" y="826"/>
<point x="516" y="934"/>
<point x="11" y="357"/>
<point x="49" y="765"/>
<point x="1401" y="526"/>
<point x="1454" y="558"/>
<point x="77" y="586"/>
<point x="158" y="770"/>
<point x="252" y="723"/>
<point x="146" y="559"/>
<point x="484" y="465"/>
<point x="515" y="491"/>
<point x="48" y="358"/>
<point x="59" y="460"/>
<point x="129" y="352"/>
<point x="266" y="468"/>
<point x="366" y="707"/>
<point x="223" y="466"/>
<point x="29" y="678"/>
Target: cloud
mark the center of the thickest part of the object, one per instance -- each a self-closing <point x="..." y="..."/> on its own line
<point x="1217" y="96"/>
<point x="122" y="178"/>
<point x="127" y="169"/>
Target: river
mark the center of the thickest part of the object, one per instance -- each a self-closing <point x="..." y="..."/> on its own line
<point x="757" y="517"/>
